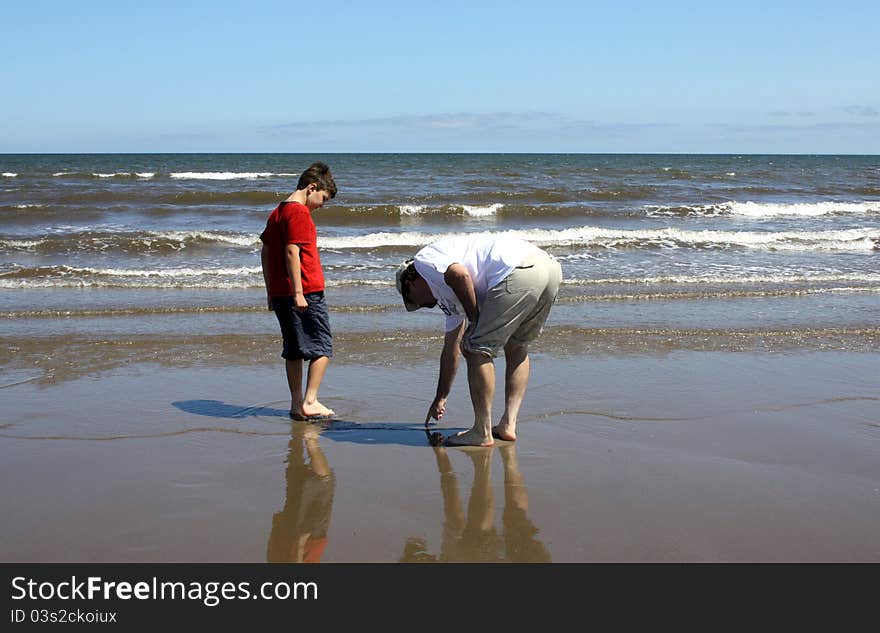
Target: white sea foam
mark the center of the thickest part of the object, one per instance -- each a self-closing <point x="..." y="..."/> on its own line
<point x="182" y="273"/>
<point x="769" y="209"/>
<point x="202" y="283"/>
<point x="376" y="240"/>
<point x="61" y="173"/>
<point x="20" y="244"/>
<point x="29" y="206"/>
<point x="113" y="175"/>
<point x="412" y="209"/>
<point x="145" y="174"/>
<point x="763" y="210"/>
<point x="858" y="240"/>
<point x="482" y="211"/>
<point x="175" y="273"/>
<point x="75" y="277"/>
<point x="211" y="236"/>
<point x="473" y="211"/>
<point x="104" y="239"/>
<point x="203" y="278"/>
<point x="358" y="282"/>
<point x="221" y="175"/>
<point x="9" y="174"/>
<point x="733" y="279"/>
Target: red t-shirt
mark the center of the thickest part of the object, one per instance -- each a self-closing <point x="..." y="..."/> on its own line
<point x="291" y="223"/>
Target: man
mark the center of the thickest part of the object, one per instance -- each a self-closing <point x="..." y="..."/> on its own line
<point x="496" y="293"/>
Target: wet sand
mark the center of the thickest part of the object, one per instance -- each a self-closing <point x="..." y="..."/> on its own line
<point x="675" y="454"/>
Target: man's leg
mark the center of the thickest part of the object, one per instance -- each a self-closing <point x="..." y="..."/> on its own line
<point x="481" y="505"/>
<point x="310" y="404"/>
<point x="516" y="378"/>
<point x="481" y="381"/>
<point x="294" y="370"/>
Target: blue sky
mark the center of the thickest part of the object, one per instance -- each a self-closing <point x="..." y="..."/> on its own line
<point x="774" y="77"/>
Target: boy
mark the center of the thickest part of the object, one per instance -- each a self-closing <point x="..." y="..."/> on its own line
<point x="295" y="289"/>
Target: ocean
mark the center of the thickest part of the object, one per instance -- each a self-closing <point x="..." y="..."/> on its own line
<point x="645" y="240"/>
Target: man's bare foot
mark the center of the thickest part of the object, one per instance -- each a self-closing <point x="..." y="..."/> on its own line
<point x="469" y="438"/>
<point x="502" y="432"/>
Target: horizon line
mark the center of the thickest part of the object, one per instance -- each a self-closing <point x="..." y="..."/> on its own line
<point x="337" y="153"/>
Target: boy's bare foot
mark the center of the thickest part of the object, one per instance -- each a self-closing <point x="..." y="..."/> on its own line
<point x="312" y="413"/>
<point x="469" y="438"/>
<point x="502" y="432"/>
<point x="317" y="409"/>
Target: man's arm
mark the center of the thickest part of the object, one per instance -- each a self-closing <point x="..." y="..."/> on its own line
<point x="264" y="260"/>
<point x="448" y="368"/>
<point x="294" y="272"/>
<point x="459" y="279"/>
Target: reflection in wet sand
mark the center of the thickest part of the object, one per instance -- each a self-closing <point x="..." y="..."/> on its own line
<point x="299" y="530"/>
<point x="473" y="537"/>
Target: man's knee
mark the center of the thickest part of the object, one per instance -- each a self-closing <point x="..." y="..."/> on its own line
<point x="477" y="355"/>
<point x="515" y="354"/>
<point x="514" y="345"/>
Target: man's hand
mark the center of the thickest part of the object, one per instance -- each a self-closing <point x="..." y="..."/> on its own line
<point x="436" y="410"/>
<point x="299" y="302"/>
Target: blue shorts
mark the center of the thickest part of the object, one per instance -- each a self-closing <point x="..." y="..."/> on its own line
<point x="306" y="334"/>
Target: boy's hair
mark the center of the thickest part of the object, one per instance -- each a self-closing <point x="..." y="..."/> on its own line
<point x="318" y="173"/>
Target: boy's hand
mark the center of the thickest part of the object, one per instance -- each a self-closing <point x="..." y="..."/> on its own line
<point x="299" y="302"/>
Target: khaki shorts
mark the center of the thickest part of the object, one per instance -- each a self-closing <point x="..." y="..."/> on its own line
<point x="516" y="309"/>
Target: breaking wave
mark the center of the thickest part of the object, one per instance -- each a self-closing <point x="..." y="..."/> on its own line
<point x="767" y="210"/>
<point x="225" y="175"/>
<point x="857" y="240"/>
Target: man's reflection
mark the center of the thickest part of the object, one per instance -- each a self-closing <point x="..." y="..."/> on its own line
<point x="299" y="531"/>
<point x="473" y="537"/>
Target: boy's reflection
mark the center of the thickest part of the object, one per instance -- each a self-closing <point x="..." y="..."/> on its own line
<point x="299" y="531"/>
<point x="474" y="538"/>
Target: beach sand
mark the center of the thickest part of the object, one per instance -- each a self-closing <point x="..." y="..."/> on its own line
<point x="672" y="454"/>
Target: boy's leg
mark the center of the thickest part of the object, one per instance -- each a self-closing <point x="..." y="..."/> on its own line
<point x="310" y="404"/>
<point x="315" y="342"/>
<point x="293" y="363"/>
<point x="294" y="383"/>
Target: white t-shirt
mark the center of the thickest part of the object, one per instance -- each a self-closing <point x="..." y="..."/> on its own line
<point x="488" y="260"/>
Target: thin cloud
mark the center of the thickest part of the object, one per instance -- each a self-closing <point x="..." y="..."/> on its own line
<point x="786" y="113"/>
<point x="467" y="121"/>
<point x="187" y="136"/>
<point x="429" y="121"/>
<point x="862" y="110"/>
<point x="833" y="125"/>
